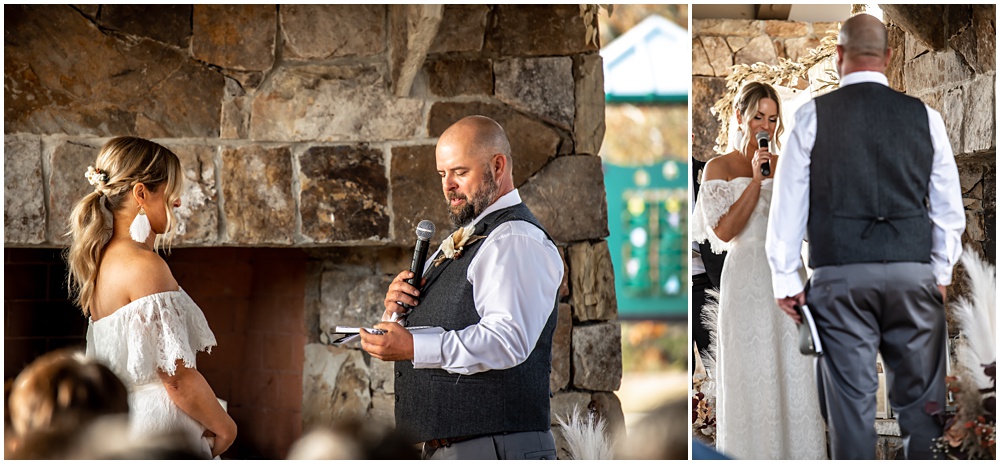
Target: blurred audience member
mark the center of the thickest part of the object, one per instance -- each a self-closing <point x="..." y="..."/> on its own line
<point x="66" y="406"/>
<point x="59" y="393"/>
<point x="61" y="390"/>
<point x="661" y="434"/>
<point x="351" y="440"/>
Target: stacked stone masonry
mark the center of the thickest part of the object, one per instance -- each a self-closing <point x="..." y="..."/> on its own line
<point x="293" y="133"/>
<point x="952" y="68"/>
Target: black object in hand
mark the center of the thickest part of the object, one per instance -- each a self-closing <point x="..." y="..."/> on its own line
<point x="762" y="142"/>
<point x="425" y="230"/>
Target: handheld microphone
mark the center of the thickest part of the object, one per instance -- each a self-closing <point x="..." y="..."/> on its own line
<point x="765" y="167"/>
<point x="425" y="230"/>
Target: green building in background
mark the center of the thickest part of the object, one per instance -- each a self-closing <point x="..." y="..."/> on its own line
<point x="645" y="168"/>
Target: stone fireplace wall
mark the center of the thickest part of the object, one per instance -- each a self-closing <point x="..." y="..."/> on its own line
<point x="313" y="127"/>
<point x="946" y="56"/>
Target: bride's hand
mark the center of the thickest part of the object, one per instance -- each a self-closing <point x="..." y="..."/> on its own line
<point x="761" y="156"/>
<point x="218" y="444"/>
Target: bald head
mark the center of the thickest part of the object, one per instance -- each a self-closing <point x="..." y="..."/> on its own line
<point x="863" y="45"/>
<point x="480" y="136"/>
<point x="473" y="159"/>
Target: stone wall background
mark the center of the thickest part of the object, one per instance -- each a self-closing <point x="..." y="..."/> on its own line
<point x="946" y="56"/>
<point x="313" y="126"/>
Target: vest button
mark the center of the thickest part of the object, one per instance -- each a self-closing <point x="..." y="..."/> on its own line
<point x="399" y="374"/>
<point x="397" y="398"/>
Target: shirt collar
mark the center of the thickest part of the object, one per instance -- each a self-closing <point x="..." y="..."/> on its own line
<point x="859" y="77"/>
<point x="509" y="199"/>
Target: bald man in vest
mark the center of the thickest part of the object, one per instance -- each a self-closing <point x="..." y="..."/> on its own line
<point x="477" y="385"/>
<point x="869" y="175"/>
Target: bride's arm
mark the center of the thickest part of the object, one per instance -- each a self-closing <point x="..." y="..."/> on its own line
<point x="189" y="390"/>
<point x="736" y="218"/>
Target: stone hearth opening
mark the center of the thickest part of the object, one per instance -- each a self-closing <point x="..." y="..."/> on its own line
<point x="252" y="299"/>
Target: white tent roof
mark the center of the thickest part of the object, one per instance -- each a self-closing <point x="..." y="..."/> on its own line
<point x="650" y="62"/>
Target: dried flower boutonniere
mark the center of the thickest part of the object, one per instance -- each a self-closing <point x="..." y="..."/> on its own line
<point x="453" y="246"/>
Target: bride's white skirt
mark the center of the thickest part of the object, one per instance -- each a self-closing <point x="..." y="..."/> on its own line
<point x="152" y="414"/>
<point x="767" y="405"/>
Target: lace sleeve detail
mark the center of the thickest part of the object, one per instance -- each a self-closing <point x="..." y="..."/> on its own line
<point x="714" y="199"/>
<point x="166" y="328"/>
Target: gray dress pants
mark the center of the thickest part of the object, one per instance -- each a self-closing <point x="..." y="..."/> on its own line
<point x="892" y="308"/>
<point x="519" y="445"/>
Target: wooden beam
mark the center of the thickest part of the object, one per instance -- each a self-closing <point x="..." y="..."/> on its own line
<point x="779" y="12"/>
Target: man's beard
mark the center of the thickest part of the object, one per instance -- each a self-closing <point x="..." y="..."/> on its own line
<point x="488" y="189"/>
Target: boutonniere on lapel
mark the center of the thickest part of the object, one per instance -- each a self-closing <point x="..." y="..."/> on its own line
<point x="453" y="246"/>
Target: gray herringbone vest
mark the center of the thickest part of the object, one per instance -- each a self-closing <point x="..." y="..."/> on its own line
<point x="869" y="176"/>
<point x="432" y="403"/>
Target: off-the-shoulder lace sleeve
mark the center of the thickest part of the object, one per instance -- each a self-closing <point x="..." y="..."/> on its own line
<point x="166" y="327"/>
<point x="715" y="197"/>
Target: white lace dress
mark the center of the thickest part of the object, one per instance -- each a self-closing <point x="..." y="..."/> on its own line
<point x="152" y="333"/>
<point x="767" y="404"/>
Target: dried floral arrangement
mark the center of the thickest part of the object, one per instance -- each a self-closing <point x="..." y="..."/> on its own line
<point x="786" y="73"/>
<point x="969" y="420"/>
<point x="589" y="14"/>
<point x="703" y="380"/>
<point x="702" y="410"/>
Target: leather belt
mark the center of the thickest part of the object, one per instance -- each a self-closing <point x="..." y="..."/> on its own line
<point x="443" y="442"/>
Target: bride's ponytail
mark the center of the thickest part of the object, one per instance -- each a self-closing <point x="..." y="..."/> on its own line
<point x="91" y="225"/>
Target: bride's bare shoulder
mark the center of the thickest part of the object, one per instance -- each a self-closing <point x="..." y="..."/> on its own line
<point x="719" y="168"/>
<point x="142" y="271"/>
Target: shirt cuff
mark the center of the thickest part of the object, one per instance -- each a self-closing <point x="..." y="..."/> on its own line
<point x="786" y="284"/>
<point x="942" y="272"/>
<point x="427" y="350"/>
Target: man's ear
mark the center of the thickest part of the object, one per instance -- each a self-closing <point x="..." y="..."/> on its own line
<point x="499" y="164"/>
<point x="888" y="55"/>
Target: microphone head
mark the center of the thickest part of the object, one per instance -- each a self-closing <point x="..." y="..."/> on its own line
<point x="425" y="230"/>
<point x="762" y="135"/>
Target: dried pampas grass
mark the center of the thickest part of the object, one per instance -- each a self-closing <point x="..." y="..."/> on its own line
<point x="586" y="438"/>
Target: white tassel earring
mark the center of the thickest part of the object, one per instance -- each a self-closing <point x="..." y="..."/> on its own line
<point x="140" y="228"/>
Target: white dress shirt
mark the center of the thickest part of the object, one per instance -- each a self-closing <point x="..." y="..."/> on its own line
<point x="515" y="279"/>
<point x="790" y="203"/>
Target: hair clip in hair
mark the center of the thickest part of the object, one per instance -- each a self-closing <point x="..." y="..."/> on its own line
<point x="96" y="176"/>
